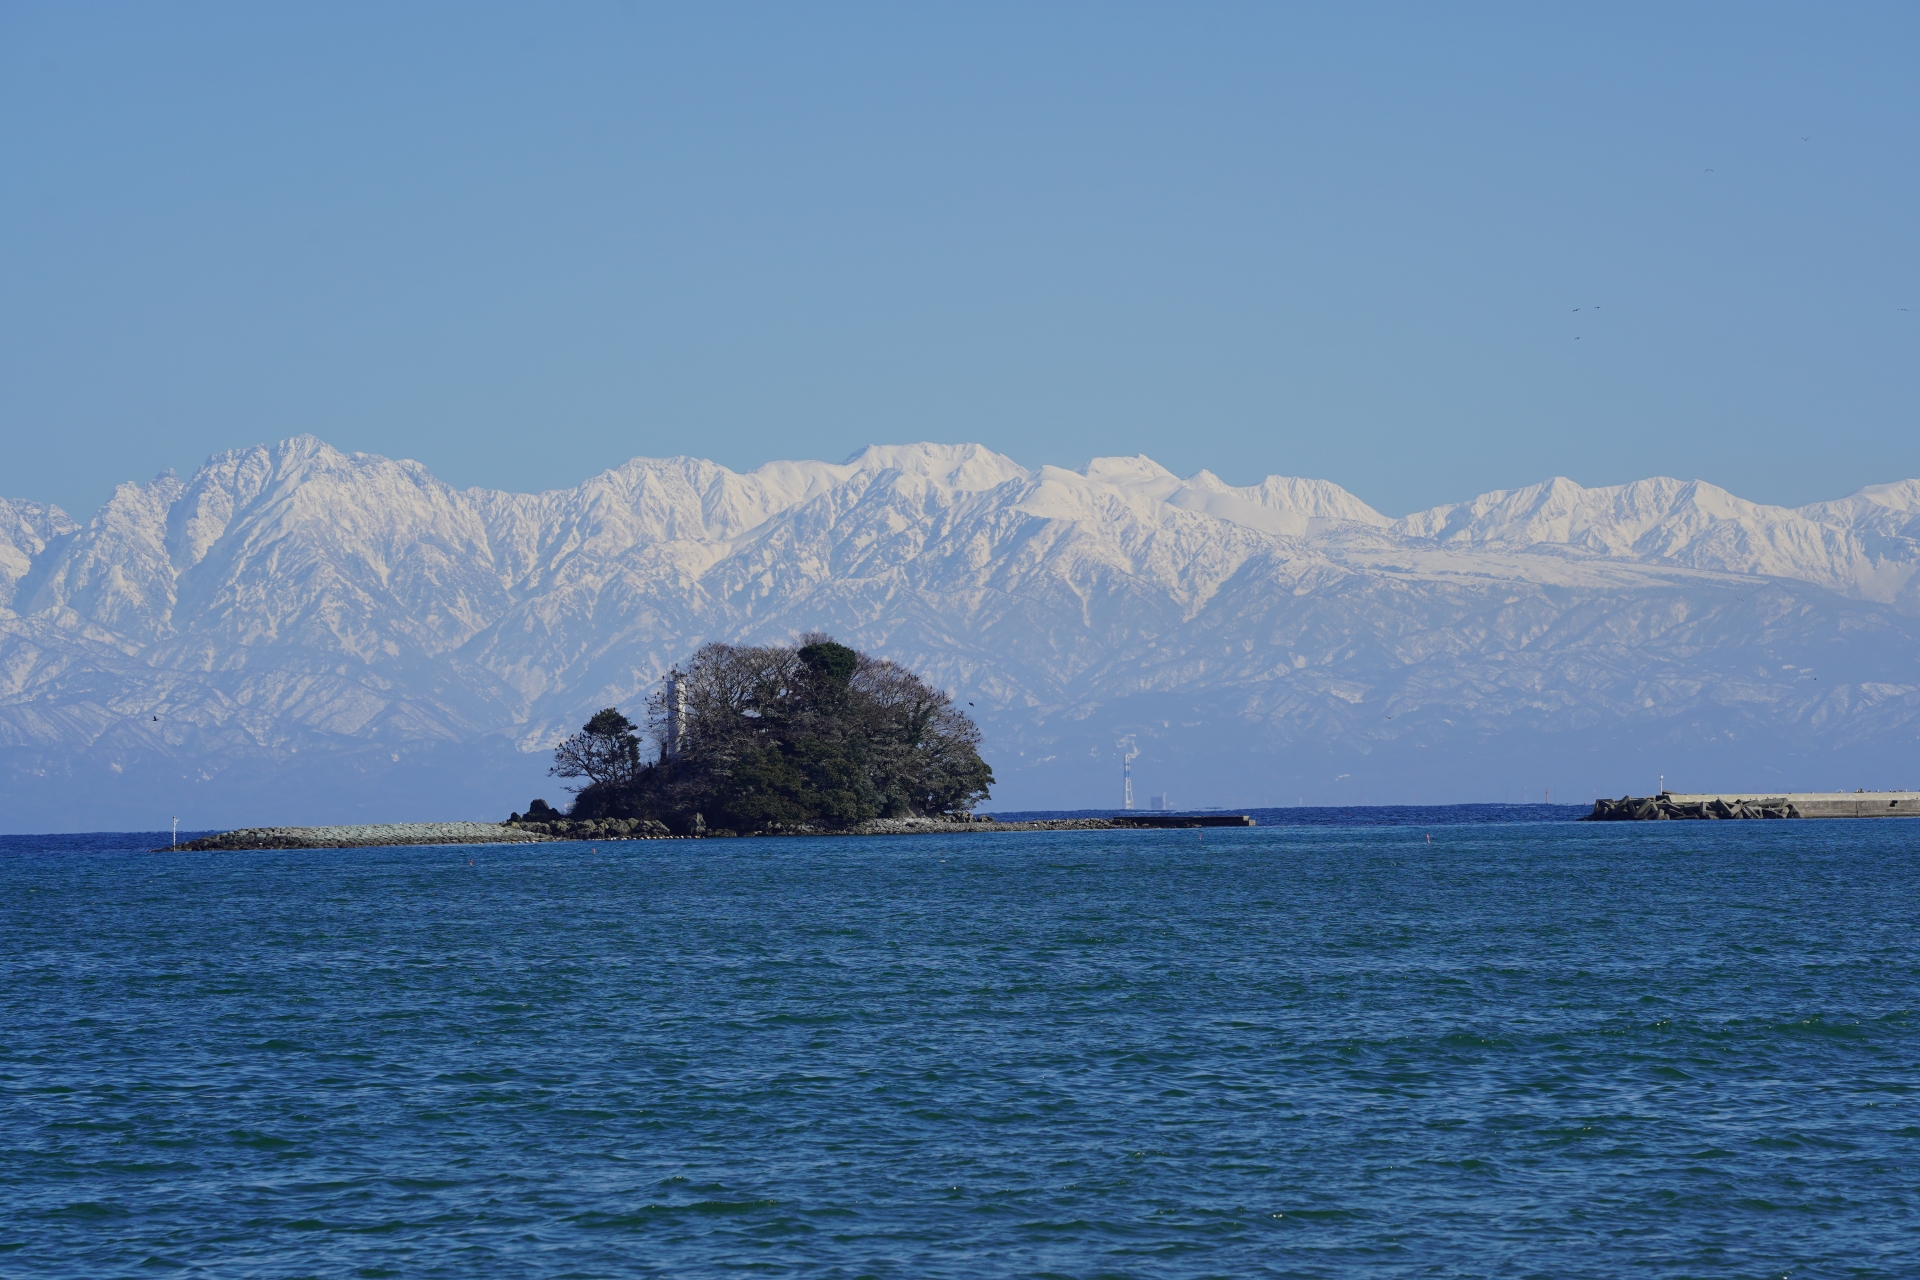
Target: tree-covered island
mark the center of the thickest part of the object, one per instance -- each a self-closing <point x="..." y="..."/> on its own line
<point x="774" y="738"/>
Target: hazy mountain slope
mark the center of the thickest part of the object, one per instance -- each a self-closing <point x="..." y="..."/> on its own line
<point x="323" y="635"/>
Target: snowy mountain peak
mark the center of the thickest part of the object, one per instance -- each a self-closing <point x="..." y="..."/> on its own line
<point x="1137" y="470"/>
<point x="292" y="604"/>
<point x="966" y="468"/>
<point x="1902" y="497"/>
<point x="115" y="572"/>
<point x="1279" y="504"/>
<point x="25" y="530"/>
<point x="1863" y="546"/>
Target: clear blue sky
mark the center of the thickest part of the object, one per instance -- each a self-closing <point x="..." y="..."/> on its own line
<point x="521" y="244"/>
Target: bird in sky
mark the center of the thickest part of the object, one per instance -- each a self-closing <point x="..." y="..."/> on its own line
<point x="156" y="719"/>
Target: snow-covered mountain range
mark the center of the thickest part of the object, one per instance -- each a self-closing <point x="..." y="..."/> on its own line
<point x="299" y="634"/>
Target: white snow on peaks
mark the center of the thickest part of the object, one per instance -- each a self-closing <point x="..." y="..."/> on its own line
<point x="1278" y="504"/>
<point x="294" y="625"/>
<point x="25" y="530"/>
<point x="1863" y="546"/>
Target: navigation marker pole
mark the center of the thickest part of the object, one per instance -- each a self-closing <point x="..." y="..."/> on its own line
<point x="1126" y="775"/>
<point x="176" y="834"/>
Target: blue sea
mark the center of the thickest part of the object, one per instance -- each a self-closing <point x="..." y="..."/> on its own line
<point x="1433" y="1043"/>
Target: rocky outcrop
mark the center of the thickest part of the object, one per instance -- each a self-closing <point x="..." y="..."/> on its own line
<point x="593" y="829"/>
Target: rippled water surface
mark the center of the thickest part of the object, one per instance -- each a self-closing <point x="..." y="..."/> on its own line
<point x="1521" y="1049"/>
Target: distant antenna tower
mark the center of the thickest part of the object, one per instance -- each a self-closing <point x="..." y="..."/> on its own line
<point x="1126" y="775"/>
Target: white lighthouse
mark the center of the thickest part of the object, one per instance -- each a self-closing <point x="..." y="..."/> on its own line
<point x="676" y="737"/>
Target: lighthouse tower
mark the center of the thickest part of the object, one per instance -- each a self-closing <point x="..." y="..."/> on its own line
<point x="676" y="718"/>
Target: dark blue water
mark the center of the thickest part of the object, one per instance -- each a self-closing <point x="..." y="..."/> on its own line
<point x="1673" y="1049"/>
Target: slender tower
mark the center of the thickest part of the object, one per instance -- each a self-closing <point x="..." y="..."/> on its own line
<point x="1126" y="776"/>
<point x="676" y="717"/>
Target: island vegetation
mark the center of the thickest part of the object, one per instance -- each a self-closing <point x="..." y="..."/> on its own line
<point x="814" y="736"/>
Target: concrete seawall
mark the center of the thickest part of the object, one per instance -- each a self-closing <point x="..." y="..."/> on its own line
<point x="1682" y="805"/>
<point x="1822" y="804"/>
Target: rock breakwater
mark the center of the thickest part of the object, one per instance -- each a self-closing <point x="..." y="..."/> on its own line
<point x="522" y="831"/>
<point x="1663" y="808"/>
<point x="365" y="837"/>
<point x="1669" y="805"/>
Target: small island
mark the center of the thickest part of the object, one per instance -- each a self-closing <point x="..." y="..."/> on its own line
<point x="797" y="739"/>
<point x="814" y="738"/>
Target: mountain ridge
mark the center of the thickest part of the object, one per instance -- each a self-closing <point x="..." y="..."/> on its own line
<point x="309" y="621"/>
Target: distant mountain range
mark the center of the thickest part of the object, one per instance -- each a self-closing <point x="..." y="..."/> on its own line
<point x="297" y="634"/>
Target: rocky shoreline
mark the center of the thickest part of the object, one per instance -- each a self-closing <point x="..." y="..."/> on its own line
<point x="648" y="829"/>
<point x="608" y="829"/>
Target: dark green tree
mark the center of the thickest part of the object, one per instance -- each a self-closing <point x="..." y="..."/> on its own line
<point x="758" y="738"/>
<point x="606" y="751"/>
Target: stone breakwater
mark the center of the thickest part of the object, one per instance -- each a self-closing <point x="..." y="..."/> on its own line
<point x="390" y="833"/>
<point x="525" y="832"/>
<point x="1669" y="806"/>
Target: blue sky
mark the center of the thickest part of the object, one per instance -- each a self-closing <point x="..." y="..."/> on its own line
<point x="524" y="243"/>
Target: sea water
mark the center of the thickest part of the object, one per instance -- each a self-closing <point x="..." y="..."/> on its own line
<point x="1442" y="1049"/>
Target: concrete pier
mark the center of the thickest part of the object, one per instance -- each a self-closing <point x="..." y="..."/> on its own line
<point x="1682" y="805"/>
<point x="1820" y="804"/>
